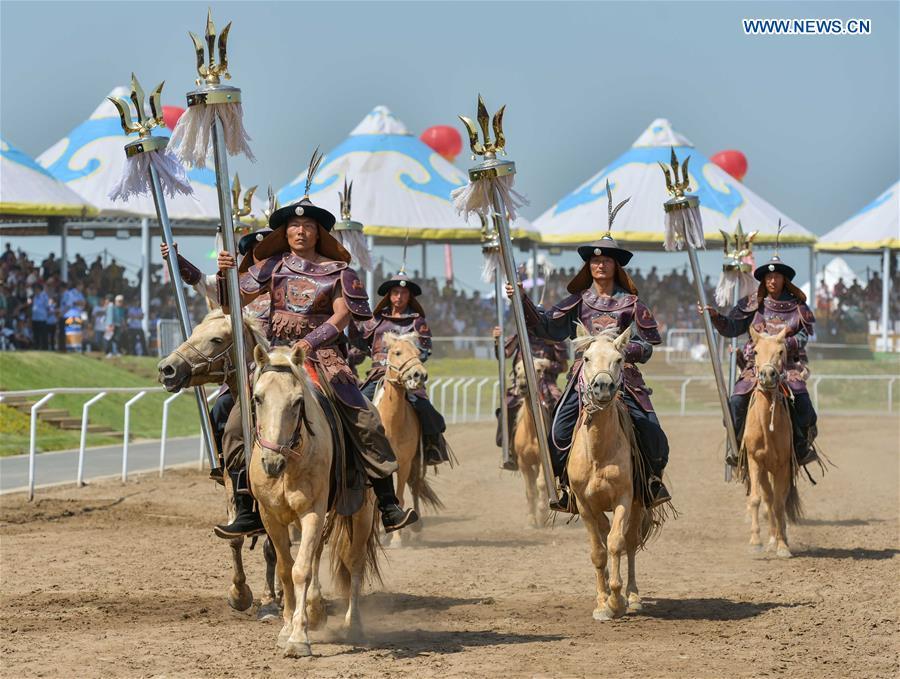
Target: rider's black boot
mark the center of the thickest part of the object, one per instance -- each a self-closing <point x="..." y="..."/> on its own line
<point x="566" y="502"/>
<point x="434" y="448"/>
<point x="247" y="522"/>
<point x="393" y="516"/>
<point x="803" y="446"/>
<point x="657" y="491"/>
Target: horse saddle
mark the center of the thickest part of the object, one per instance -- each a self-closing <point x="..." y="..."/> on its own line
<point x="347" y="487"/>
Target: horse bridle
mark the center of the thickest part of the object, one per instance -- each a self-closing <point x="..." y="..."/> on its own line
<point x="208" y="362"/>
<point x="399" y="369"/>
<point x="587" y="398"/>
<point x="286" y="449"/>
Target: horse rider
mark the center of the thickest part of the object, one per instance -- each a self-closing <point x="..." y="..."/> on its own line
<point x="777" y="304"/>
<point x="555" y="352"/>
<point x="400" y="311"/>
<point x="205" y="285"/>
<point x="313" y="296"/>
<point x="603" y="296"/>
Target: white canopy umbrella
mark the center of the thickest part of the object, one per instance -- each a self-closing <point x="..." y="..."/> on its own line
<point x="874" y="229"/>
<point x="28" y="190"/>
<point x="581" y="216"/>
<point x="89" y="160"/>
<point x="401" y="187"/>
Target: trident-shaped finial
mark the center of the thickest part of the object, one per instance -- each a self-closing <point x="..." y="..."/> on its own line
<point x="344" y="197"/>
<point x="314" y="164"/>
<point x="143" y="124"/>
<point x="237" y="209"/>
<point x="674" y="185"/>
<point x="209" y="70"/>
<point x="489" y="148"/>
<point x="271" y="203"/>
<point x="738" y="246"/>
<point x="613" y="211"/>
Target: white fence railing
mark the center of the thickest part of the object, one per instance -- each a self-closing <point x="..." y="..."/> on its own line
<point x="461" y="399"/>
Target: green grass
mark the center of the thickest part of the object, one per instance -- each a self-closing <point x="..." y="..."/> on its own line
<point x="37" y="370"/>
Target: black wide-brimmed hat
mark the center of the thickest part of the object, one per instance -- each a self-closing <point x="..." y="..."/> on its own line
<point x="402" y="280"/>
<point x="248" y="242"/>
<point x="302" y="208"/>
<point x="774" y="265"/>
<point x="607" y="247"/>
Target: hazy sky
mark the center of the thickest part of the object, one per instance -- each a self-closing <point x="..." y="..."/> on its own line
<point x="817" y="116"/>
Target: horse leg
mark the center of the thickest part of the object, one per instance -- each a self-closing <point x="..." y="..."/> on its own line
<point x="782" y="488"/>
<point x="363" y="525"/>
<point x="396" y="539"/>
<point x="315" y="606"/>
<point x="281" y="541"/>
<point x="598" y="529"/>
<point x="240" y="597"/>
<point x="530" y="493"/>
<point x="754" y="472"/>
<point x="543" y="496"/>
<point x="297" y="644"/>
<point x="616" y="545"/>
<point x="270" y="606"/>
<point x="632" y="540"/>
<point x="768" y="496"/>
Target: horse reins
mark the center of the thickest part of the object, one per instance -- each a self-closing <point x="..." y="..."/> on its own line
<point x="774" y="388"/>
<point x="399" y="370"/>
<point x="208" y="362"/>
<point x="587" y="398"/>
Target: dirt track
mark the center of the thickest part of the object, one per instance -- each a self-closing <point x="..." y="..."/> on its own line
<point x="129" y="581"/>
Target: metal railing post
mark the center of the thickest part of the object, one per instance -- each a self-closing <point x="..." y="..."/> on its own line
<point x="890" y="394"/>
<point x="465" y="397"/>
<point x="815" y="396"/>
<point x="32" y="444"/>
<point x="127" y="426"/>
<point x="684" y="386"/>
<point x="431" y="388"/>
<point x="79" y="476"/>
<point x="478" y="397"/>
<point x="164" y="431"/>
<point x="444" y="386"/>
<point x="456" y="386"/>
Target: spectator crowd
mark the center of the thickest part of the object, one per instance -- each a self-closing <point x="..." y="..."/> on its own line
<point x="99" y="308"/>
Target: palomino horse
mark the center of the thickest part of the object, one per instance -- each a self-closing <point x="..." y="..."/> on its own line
<point x="205" y="358"/>
<point x="767" y="458"/>
<point x="601" y="472"/>
<point x="405" y="373"/>
<point x="525" y="446"/>
<point x="290" y="475"/>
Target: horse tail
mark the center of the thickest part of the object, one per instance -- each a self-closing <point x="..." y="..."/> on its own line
<point x="793" y="507"/>
<point x="420" y="487"/>
<point x="339" y="533"/>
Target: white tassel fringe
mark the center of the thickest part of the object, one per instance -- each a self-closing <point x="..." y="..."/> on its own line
<point x="684" y="226"/>
<point x="192" y="135"/>
<point x="489" y="265"/>
<point x="135" y="178"/>
<point x="733" y="283"/>
<point x="355" y="244"/>
<point x="478" y="197"/>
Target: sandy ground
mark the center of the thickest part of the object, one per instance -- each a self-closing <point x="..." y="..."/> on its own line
<point x="129" y="581"/>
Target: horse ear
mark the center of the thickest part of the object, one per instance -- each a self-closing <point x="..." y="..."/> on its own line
<point x="620" y="341"/>
<point x="782" y="334"/>
<point x="389" y="338"/>
<point x="298" y="355"/>
<point x="581" y="331"/>
<point x="260" y="356"/>
<point x="754" y="335"/>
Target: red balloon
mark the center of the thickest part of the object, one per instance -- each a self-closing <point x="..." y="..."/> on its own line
<point x="171" y="114"/>
<point x="443" y="139"/>
<point x="733" y="162"/>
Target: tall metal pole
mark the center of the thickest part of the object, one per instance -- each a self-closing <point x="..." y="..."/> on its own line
<point x="370" y="274"/>
<point x="885" y="298"/>
<point x="184" y="318"/>
<point x="145" y="275"/>
<point x="226" y="227"/>
<point x="812" y="277"/>
<point x="64" y="255"/>
<point x="713" y="349"/>
<point x="501" y="362"/>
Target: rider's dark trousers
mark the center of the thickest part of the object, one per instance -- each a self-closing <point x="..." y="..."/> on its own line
<point x="803" y="416"/>
<point x="651" y="439"/>
<point x="219" y="416"/>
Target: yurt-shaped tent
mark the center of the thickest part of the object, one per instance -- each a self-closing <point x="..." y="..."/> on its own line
<point x="581" y="216"/>
<point x="401" y="187"/>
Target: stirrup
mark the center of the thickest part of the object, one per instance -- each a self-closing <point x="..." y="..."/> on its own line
<point x="564" y="504"/>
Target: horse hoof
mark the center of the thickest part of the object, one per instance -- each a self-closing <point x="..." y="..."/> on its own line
<point x="316" y="613"/>
<point x="297" y="649"/>
<point x="783" y="552"/>
<point x="283" y="636"/>
<point x="353" y="633"/>
<point x="240" y="599"/>
<point x="271" y="611"/>
<point x="603" y="614"/>
<point x="634" y="603"/>
<point x="755" y="549"/>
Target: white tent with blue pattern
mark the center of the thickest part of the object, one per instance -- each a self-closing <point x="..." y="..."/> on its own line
<point x="581" y="216"/>
<point x="872" y="229"/>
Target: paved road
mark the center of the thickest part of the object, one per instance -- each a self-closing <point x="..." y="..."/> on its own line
<point x="62" y="466"/>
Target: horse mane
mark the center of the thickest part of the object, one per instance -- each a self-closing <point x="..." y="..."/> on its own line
<point x="280" y="357"/>
<point x="251" y="324"/>
<point x="412" y="337"/>
<point x="584" y="339"/>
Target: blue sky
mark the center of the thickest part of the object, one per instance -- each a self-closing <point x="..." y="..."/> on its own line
<point x="816" y="115"/>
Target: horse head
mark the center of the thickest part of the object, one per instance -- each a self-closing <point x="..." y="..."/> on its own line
<point x="541" y="366"/>
<point x="602" y="366"/>
<point x="404" y="363"/>
<point x="771" y="352"/>
<point x="205" y="357"/>
<point x="281" y="393"/>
